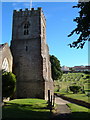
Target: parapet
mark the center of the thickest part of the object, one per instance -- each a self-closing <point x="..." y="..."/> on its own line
<point x="39" y="8"/>
<point x="27" y="12"/>
<point x="26" y="9"/>
<point x="32" y="9"/>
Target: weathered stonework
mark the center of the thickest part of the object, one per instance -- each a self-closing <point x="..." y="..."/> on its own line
<point x="6" y="58"/>
<point x="31" y="54"/>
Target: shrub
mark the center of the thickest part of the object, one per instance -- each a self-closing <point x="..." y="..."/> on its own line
<point x="88" y="94"/>
<point x="8" y="84"/>
<point x="75" y="89"/>
<point x="57" y="88"/>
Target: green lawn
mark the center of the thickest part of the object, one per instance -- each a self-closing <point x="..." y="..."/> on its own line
<point x="82" y="97"/>
<point x="20" y="109"/>
<point x="79" y="112"/>
<point x="78" y="96"/>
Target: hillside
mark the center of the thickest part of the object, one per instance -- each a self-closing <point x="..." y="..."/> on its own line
<point x="80" y="79"/>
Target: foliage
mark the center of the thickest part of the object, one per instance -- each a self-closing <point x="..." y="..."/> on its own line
<point x="57" y="88"/>
<point x="79" y="79"/>
<point x="8" y="84"/>
<point x="55" y="68"/>
<point x="83" y="25"/>
<point x="73" y="77"/>
<point x="34" y="109"/>
<point x="72" y="69"/>
<point x="75" y="89"/>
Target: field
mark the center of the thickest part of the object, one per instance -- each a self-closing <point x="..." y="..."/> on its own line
<point x="20" y="109"/>
<point x="80" y="79"/>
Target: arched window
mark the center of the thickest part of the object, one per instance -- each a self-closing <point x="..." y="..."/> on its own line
<point x="26" y="28"/>
<point x="5" y="65"/>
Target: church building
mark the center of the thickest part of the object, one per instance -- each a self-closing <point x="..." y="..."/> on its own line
<point x="31" y="61"/>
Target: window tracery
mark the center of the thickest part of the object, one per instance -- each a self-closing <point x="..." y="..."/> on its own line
<point x="5" y="65"/>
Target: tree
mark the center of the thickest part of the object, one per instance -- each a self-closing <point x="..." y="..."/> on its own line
<point x="8" y="84"/>
<point x="55" y="68"/>
<point x="83" y="25"/>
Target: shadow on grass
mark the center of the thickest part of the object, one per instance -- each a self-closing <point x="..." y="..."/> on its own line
<point x="29" y="112"/>
<point x="27" y="105"/>
<point x="73" y="116"/>
<point x="25" y="112"/>
<point x="80" y="116"/>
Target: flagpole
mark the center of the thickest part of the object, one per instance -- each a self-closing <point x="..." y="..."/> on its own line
<point x="30" y="4"/>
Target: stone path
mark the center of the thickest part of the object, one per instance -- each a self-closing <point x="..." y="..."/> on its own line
<point x="62" y="111"/>
<point x="60" y="101"/>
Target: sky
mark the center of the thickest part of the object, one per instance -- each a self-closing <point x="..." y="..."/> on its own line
<point x="59" y="21"/>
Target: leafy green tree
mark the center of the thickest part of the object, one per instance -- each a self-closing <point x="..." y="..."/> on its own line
<point x="55" y="67"/>
<point x="8" y="84"/>
<point x="83" y="25"/>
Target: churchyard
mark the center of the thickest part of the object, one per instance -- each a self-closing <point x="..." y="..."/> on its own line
<point x="37" y="108"/>
<point x="74" y="79"/>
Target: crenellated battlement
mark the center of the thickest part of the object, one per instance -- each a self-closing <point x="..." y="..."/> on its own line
<point x="26" y="9"/>
<point x="27" y="12"/>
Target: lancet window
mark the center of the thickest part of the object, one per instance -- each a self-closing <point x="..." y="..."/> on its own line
<point x="26" y="28"/>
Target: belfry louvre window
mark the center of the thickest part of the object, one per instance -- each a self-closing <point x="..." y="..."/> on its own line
<point x="26" y="32"/>
<point x="26" y="28"/>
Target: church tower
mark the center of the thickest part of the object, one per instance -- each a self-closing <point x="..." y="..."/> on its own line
<point x="31" y="54"/>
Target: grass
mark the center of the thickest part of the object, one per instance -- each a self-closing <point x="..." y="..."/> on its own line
<point x="78" y="96"/>
<point x="62" y="87"/>
<point x="82" y="97"/>
<point x="81" y="79"/>
<point x="79" y="112"/>
<point x="26" y="109"/>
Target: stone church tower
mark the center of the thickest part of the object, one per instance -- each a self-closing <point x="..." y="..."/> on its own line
<point x="31" y="54"/>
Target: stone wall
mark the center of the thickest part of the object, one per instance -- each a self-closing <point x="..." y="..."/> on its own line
<point x="31" y="54"/>
<point x="28" y="68"/>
